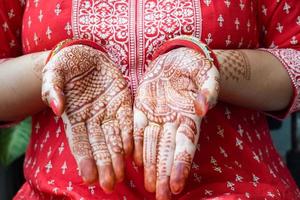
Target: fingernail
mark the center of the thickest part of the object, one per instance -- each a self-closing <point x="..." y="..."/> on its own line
<point x="53" y="105"/>
<point x="201" y="105"/>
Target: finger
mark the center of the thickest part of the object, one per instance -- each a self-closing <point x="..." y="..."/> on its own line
<point x="52" y="89"/>
<point x="114" y="143"/>
<point x="125" y="118"/>
<point x="151" y="136"/>
<point x="207" y="81"/>
<point x="186" y="140"/>
<point x="102" y="157"/>
<point x="165" y="160"/>
<point x="81" y="149"/>
<point x="140" y="122"/>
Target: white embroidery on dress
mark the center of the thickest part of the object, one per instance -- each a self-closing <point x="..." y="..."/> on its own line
<point x="294" y="40"/>
<point x="11" y="13"/>
<point x="64" y="167"/>
<point x="37" y="127"/>
<point x="239" y="144"/>
<point x="5" y="26"/>
<point x="57" y="9"/>
<point x="208" y="39"/>
<point x="48" y="32"/>
<point x="290" y="59"/>
<point x="286" y="8"/>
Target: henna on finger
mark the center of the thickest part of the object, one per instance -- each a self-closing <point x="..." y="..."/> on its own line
<point x="178" y="88"/>
<point x="180" y="170"/>
<point x="102" y="156"/>
<point x="81" y="150"/>
<point x="166" y="148"/>
<point x="140" y="122"/>
<point x="186" y="140"/>
<point x="124" y="117"/>
<point x="151" y="136"/>
<point x="94" y="90"/>
<point x="113" y="139"/>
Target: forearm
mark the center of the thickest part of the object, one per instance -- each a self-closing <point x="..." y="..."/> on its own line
<point x="20" y="88"/>
<point x="253" y="79"/>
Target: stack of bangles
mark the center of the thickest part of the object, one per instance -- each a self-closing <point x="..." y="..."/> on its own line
<point x="190" y="42"/>
<point x="70" y="42"/>
<point x="179" y="41"/>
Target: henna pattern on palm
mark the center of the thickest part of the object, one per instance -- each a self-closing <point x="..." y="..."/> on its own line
<point x="172" y="98"/>
<point x="96" y="107"/>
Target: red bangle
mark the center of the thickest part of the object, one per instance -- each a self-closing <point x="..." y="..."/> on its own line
<point x="190" y="42"/>
<point x="70" y="42"/>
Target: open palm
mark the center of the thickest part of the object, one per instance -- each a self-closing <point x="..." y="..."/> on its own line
<point x="172" y="98"/>
<point x="96" y="108"/>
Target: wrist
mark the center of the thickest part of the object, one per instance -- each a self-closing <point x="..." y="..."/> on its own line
<point x="189" y="42"/>
<point x="39" y="61"/>
<point x="70" y="42"/>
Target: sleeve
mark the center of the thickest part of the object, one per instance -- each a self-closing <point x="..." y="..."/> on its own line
<point x="280" y="35"/>
<point x="11" y="13"/>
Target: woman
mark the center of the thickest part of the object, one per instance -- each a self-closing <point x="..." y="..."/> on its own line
<point x="234" y="158"/>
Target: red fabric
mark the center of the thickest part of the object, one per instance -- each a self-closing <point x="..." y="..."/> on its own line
<point x="11" y="13"/>
<point x="280" y="25"/>
<point x="235" y="157"/>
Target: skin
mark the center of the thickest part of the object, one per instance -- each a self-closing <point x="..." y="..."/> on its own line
<point x="171" y="100"/>
<point x="176" y="93"/>
<point x="87" y="89"/>
<point x="265" y="86"/>
<point x="14" y="74"/>
<point x="260" y="82"/>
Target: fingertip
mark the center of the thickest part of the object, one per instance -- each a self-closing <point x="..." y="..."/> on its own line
<point x="88" y="170"/>
<point x="178" y="177"/>
<point x="150" y="178"/>
<point x="176" y="186"/>
<point x="201" y="105"/>
<point x="107" y="179"/>
<point x="58" y="98"/>
<point x="162" y="189"/>
<point x="119" y="168"/>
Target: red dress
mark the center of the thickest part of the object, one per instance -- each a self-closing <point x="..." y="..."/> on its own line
<point x="235" y="157"/>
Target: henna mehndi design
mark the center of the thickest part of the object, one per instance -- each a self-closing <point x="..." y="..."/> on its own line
<point x="97" y="104"/>
<point x="235" y="65"/>
<point x="165" y="113"/>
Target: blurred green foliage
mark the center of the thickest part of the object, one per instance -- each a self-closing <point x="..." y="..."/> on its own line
<point x="13" y="141"/>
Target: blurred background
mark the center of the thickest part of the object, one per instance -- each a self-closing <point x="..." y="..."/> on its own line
<point x="13" y="142"/>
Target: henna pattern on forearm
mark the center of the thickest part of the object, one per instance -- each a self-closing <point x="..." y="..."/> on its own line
<point x="166" y="96"/>
<point x="234" y="65"/>
<point x="39" y="61"/>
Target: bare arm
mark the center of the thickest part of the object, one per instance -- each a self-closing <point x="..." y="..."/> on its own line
<point x="253" y="79"/>
<point x="20" y="88"/>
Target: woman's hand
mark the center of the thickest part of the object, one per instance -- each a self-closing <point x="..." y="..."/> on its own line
<point x="84" y="86"/>
<point x="172" y="98"/>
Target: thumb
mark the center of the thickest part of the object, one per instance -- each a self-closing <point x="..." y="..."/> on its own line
<point x="52" y="91"/>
